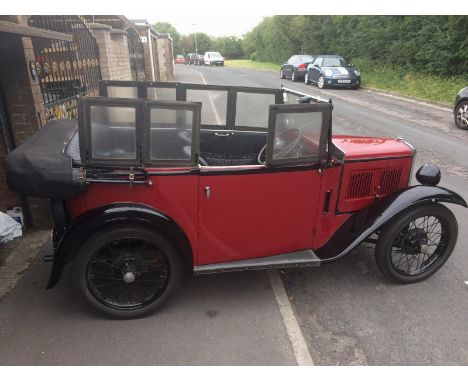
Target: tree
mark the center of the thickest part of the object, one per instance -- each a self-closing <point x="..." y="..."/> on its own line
<point x="164" y="27"/>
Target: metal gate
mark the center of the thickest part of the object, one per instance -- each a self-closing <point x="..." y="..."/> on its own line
<point x="65" y="69"/>
<point x="135" y="51"/>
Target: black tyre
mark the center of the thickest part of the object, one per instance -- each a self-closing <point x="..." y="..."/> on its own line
<point x="321" y="82"/>
<point x="306" y="79"/>
<point x="128" y="271"/>
<point x="461" y="115"/>
<point x="282" y="74"/>
<point x="416" y="243"/>
<point x="293" y="76"/>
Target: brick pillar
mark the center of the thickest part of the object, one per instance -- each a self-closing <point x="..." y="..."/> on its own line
<point x="25" y="111"/>
<point x="119" y="59"/>
<point x="101" y="33"/>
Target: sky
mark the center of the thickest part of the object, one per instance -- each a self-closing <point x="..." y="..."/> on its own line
<point x="213" y="25"/>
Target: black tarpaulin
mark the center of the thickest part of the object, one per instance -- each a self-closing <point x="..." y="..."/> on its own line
<point x="40" y="168"/>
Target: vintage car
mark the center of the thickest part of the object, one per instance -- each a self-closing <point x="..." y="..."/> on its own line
<point x="156" y="180"/>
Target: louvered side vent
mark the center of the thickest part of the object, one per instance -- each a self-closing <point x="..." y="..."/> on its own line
<point x="359" y="185"/>
<point x="389" y="180"/>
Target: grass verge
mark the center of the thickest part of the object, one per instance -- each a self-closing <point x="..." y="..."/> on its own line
<point x="248" y="64"/>
<point x="431" y="88"/>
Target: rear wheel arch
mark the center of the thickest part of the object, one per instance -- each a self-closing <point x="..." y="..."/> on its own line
<point x="117" y="216"/>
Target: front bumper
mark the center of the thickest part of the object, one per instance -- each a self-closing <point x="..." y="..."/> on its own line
<point x="214" y="63"/>
<point x="342" y="82"/>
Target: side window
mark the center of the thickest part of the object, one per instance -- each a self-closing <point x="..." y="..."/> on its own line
<point x="110" y="129"/>
<point x="298" y="134"/>
<point x="319" y="61"/>
<point x="171" y="133"/>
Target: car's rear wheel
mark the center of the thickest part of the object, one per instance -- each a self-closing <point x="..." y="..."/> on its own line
<point x="416" y="244"/>
<point x="128" y="271"/>
<point x="461" y="115"/>
<point x="321" y="82"/>
<point x="306" y="78"/>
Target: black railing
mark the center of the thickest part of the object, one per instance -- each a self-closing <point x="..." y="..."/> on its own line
<point x="65" y="69"/>
<point x="135" y="51"/>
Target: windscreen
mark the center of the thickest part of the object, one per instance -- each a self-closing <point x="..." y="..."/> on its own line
<point x="334" y="62"/>
<point x="302" y="59"/>
<point x="252" y="109"/>
<point x="122" y="91"/>
<point x="161" y="94"/>
<point x="214" y="105"/>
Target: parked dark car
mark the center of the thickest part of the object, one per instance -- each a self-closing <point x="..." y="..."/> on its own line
<point x="190" y="58"/>
<point x="460" y="109"/>
<point x="296" y="67"/>
<point x="144" y="191"/>
<point x="332" y="71"/>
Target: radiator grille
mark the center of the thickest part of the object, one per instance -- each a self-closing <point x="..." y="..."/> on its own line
<point x="389" y="180"/>
<point x="360" y="184"/>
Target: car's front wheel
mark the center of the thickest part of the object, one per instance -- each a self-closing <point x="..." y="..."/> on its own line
<point x="282" y="76"/>
<point x="293" y="76"/>
<point x="417" y="243"/>
<point x="128" y="271"/>
<point x="461" y="115"/>
<point x="321" y="82"/>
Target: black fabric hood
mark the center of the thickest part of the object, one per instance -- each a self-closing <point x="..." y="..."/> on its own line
<point x="39" y="167"/>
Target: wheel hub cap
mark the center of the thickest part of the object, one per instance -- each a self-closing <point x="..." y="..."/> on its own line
<point x="129" y="277"/>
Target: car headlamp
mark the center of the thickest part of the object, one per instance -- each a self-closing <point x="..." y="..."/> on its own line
<point x="357" y="73"/>
<point x="329" y="73"/>
<point x="428" y="174"/>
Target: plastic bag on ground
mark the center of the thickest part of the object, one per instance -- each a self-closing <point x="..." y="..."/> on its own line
<point x="9" y="228"/>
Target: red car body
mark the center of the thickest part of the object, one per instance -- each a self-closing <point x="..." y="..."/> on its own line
<point x="180" y="60"/>
<point x="217" y="228"/>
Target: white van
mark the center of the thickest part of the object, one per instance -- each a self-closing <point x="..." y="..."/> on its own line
<point x="213" y="58"/>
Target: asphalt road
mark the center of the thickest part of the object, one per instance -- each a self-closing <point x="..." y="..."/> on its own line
<point x="349" y="313"/>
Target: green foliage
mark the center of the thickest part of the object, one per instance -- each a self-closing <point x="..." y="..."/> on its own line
<point x="436" y="45"/>
<point x="388" y="78"/>
<point x="164" y="27"/>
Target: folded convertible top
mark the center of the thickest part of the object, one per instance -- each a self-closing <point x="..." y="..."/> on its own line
<point x="43" y="165"/>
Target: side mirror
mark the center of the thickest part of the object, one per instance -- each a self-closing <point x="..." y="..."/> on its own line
<point x="351" y="65"/>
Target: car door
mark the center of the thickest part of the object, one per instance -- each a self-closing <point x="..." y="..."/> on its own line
<point x="315" y="69"/>
<point x="258" y="211"/>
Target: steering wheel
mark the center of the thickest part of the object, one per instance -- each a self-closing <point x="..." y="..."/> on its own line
<point x="281" y="149"/>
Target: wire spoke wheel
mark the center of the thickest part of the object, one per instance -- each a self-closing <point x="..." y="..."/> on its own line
<point x="419" y="246"/>
<point x="128" y="271"/>
<point x="128" y="274"/>
<point x="416" y="243"/>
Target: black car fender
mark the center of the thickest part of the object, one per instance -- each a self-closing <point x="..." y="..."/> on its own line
<point x="68" y="241"/>
<point x="365" y="222"/>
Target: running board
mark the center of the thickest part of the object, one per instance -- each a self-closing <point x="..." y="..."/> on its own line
<point x="305" y="258"/>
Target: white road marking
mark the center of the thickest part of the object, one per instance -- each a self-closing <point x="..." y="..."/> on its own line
<point x="215" y="111"/>
<point x="301" y="351"/>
